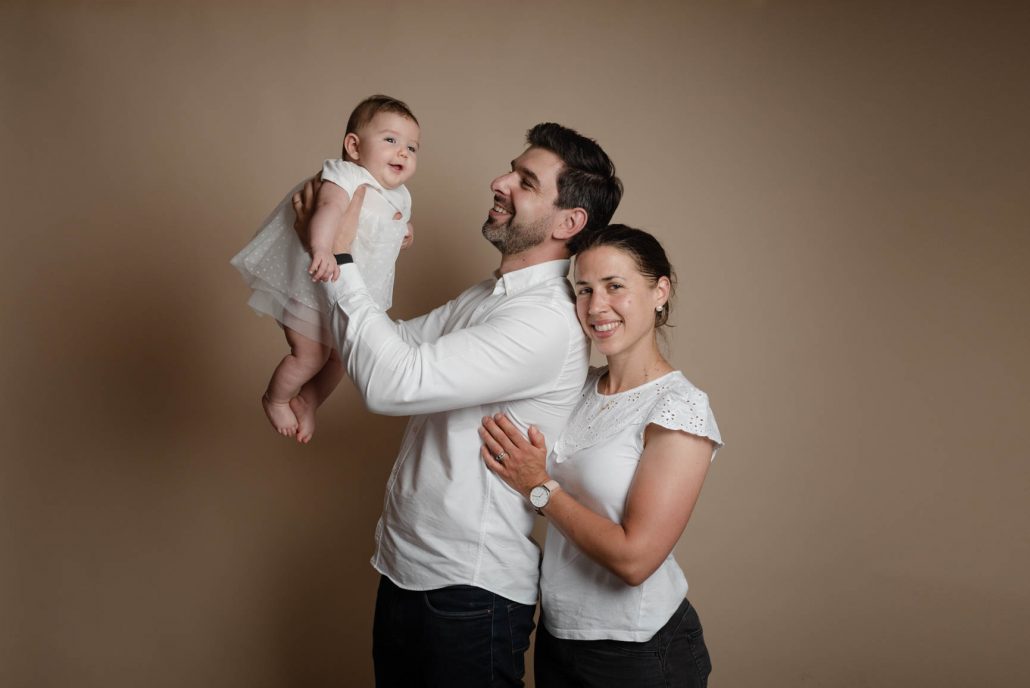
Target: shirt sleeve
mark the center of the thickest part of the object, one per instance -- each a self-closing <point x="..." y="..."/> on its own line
<point x="686" y="410"/>
<point x="427" y="327"/>
<point x="518" y="352"/>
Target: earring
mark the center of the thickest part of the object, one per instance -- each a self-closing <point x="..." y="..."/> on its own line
<point x="658" y="309"/>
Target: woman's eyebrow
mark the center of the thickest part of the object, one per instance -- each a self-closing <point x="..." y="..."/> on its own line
<point x="603" y="279"/>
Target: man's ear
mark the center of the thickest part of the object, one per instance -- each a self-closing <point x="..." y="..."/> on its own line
<point x="350" y="146"/>
<point x="572" y="223"/>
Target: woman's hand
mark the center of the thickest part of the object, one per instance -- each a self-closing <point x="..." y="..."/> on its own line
<point x="523" y="463"/>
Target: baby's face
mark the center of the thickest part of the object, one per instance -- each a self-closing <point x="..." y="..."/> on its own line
<point x="388" y="148"/>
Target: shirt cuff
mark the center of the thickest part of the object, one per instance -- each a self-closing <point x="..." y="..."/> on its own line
<point x="349" y="282"/>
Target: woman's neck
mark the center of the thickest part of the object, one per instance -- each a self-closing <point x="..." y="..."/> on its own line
<point x="633" y="370"/>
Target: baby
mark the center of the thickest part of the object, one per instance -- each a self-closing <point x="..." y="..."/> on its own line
<point x="380" y="149"/>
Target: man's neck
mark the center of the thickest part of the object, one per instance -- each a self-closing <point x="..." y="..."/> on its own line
<point x="530" y="257"/>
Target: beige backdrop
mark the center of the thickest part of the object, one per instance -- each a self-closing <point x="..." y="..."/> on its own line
<point x="842" y="186"/>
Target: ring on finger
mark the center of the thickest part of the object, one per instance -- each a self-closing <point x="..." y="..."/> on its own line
<point x="501" y="457"/>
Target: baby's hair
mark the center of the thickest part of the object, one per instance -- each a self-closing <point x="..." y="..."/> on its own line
<point x="372" y="106"/>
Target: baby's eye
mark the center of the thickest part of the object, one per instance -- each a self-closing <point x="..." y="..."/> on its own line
<point x="412" y="149"/>
<point x="390" y="139"/>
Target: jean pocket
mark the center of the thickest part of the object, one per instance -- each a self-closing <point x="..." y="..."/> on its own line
<point x="520" y="625"/>
<point x="625" y="648"/>
<point x="459" y="602"/>
<point x="693" y="635"/>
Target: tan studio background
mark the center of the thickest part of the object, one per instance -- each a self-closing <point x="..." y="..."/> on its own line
<point x="841" y="185"/>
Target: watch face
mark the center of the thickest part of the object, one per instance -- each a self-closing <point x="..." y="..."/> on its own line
<point x="538" y="496"/>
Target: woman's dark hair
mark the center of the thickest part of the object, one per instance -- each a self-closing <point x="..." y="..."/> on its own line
<point x="645" y="250"/>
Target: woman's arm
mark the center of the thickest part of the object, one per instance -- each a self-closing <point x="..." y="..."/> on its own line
<point x="665" y="489"/>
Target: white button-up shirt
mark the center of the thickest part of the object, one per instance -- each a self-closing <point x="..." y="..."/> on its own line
<point x="509" y="345"/>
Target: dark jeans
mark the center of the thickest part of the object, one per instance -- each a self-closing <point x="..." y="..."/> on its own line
<point x="454" y="637"/>
<point x="675" y="656"/>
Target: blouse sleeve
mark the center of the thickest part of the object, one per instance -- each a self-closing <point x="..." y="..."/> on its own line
<point x="686" y="410"/>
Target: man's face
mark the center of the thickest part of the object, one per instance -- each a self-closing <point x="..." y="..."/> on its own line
<point x="524" y="214"/>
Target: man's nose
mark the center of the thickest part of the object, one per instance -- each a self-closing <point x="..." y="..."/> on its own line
<point x="501" y="184"/>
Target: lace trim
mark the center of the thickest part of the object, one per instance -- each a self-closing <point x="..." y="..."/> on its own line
<point x="670" y="401"/>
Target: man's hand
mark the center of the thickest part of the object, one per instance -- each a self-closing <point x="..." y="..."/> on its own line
<point x="304" y="208"/>
<point x="409" y="236"/>
<point x="348" y="227"/>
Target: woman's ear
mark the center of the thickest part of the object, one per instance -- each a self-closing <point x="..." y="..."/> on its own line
<point x="662" y="290"/>
<point x="351" y="148"/>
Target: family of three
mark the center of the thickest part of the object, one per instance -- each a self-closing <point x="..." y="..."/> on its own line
<point x="491" y="381"/>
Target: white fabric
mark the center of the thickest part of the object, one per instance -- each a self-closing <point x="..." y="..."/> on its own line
<point x="511" y="344"/>
<point x="275" y="265"/>
<point x="594" y="460"/>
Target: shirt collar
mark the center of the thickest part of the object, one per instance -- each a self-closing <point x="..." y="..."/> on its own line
<point x="519" y="280"/>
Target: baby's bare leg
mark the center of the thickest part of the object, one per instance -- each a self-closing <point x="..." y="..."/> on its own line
<point x="313" y="393"/>
<point x="305" y="359"/>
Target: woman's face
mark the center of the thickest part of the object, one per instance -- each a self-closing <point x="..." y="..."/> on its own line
<point x="615" y="303"/>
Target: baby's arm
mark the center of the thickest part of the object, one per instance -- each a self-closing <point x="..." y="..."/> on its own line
<point x="330" y="205"/>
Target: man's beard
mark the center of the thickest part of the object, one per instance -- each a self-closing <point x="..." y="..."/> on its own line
<point x="511" y="238"/>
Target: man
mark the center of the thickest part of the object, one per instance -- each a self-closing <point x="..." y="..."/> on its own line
<point x="459" y="569"/>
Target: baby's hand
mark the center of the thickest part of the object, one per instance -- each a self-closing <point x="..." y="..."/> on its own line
<point x="323" y="267"/>
<point x="409" y="236"/>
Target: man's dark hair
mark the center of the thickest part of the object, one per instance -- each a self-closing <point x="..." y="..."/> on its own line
<point x="587" y="179"/>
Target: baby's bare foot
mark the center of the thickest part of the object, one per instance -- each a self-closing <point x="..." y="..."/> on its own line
<point x="304" y="411"/>
<point x="280" y="416"/>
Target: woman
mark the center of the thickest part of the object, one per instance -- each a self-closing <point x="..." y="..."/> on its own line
<point x="618" y="487"/>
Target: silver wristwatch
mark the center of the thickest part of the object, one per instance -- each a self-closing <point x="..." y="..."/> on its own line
<point x="540" y="495"/>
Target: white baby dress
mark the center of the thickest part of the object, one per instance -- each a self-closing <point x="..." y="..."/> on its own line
<point x="275" y="265"/>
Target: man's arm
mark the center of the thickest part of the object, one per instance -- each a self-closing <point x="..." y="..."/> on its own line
<point x="519" y="352"/>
